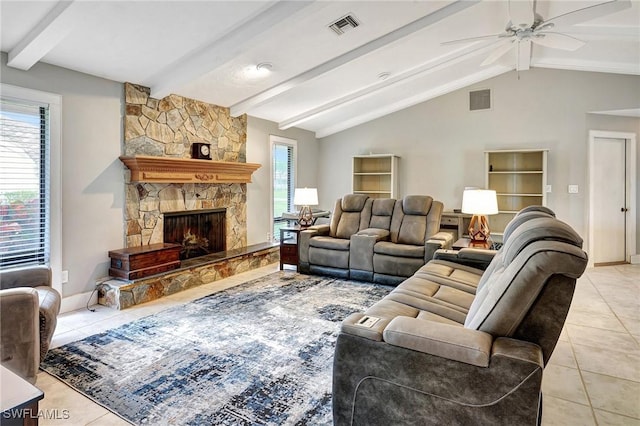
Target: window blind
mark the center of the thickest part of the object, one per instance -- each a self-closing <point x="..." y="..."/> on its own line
<point x="283" y="179"/>
<point x="24" y="184"/>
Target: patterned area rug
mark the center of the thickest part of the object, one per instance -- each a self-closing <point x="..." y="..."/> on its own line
<point x="259" y="353"/>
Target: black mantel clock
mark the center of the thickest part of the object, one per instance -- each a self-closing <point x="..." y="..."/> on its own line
<point x="201" y="151"/>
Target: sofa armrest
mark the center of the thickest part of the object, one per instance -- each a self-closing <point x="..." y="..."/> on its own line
<point x="19" y="331"/>
<point x="518" y="350"/>
<point x="362" y="325"/>
<point x="49" y="309"/>
<point x="444" y="340"/>
<point x="441" y="240"/>
<point x="304" y="238"/>
<point x="476" y="258"/>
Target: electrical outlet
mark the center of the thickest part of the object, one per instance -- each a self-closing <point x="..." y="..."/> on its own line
<point x="573" y="189"/>
<point x="65" y="277"/>
<point x="547" y="188"/>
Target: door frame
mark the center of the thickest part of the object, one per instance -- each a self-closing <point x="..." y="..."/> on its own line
<point x="631" y="176"/>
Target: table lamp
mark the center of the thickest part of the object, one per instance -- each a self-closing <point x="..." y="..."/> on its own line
<point x="479" y="203"/>
<point x="305" y="197"/>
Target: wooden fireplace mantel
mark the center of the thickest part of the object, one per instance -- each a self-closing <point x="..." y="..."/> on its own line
<point x="185" y="170"/>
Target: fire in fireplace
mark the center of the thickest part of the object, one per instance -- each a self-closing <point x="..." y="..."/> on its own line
<point x="200" y="232"/>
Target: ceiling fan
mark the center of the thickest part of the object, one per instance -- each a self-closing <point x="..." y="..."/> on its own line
<point x="526" y="27"/>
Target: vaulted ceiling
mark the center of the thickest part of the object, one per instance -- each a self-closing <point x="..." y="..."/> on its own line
<point x="311" y="77"/>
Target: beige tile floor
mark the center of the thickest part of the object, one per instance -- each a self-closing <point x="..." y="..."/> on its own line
<point x="593" y="377"/>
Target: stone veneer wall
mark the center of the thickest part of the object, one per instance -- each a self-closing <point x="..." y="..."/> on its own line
<point x="166" y="128"/>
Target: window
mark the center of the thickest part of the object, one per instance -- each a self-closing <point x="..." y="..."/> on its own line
<point x="283" y="161"/>
<point x="23" y="184"/>
<point x="30" y="225"/>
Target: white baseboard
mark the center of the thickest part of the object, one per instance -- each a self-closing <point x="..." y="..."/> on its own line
<point x="78" y="301"/>
<point x="635" y="259"/>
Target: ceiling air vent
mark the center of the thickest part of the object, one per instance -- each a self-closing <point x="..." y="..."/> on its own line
<point x="479" y="100"/>
<point x="344" y="24"/>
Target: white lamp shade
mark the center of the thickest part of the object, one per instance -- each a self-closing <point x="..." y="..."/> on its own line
<point x="305" y="197"/>
<point x="479" y="201"/>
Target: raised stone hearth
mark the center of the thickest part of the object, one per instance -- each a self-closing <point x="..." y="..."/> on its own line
<point x="122" y="294"/>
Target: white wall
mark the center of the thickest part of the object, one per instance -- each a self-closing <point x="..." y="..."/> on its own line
<point x="258" y="131"/>
<point x="92" y="175"/>
<point x="441" y="143"/>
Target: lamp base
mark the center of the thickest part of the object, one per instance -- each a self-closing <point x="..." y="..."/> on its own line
<point x="305" y="218"/>
<point x="479" y="229"/>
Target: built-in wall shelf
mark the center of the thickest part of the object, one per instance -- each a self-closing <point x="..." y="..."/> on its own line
<point x="375" y="175"/>
<point x="519" y="178"/>
<point x="185" y="170"/>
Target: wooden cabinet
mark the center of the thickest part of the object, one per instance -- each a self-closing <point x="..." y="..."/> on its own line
<point x="139" y="262"/>
<point x="519" y="178"/>
<point x="375" y="175"/>
<point x="289" y="245"/>
<point x="455" y="223"/>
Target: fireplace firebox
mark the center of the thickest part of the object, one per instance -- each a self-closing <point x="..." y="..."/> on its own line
<point x="200" y="232"/>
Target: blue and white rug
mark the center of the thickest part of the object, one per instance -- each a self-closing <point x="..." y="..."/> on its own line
<point x="259" y="353"/>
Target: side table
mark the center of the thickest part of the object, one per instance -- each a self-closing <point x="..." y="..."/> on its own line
<point x="289" y="245"/>
<point x="466" y="242"/>
<point x="19" y="399"/>
<point x="456" y="223"/>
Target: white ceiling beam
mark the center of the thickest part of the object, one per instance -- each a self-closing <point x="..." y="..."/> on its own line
<point x="451" y="59"/>
<point x="484" y="74"/>
<point x="588" y="65"/>
<point x="417" y="25"/>
<point x="220" y="51"/>
<point x="604" y="32"/>
<point x="46" y="35"/>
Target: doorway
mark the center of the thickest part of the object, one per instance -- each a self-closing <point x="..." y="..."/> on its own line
<point x="612" y="201"/>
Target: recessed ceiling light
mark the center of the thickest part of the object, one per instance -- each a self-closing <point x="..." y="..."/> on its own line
<point x="264" y="67"/>
<point x="256" y="72"/>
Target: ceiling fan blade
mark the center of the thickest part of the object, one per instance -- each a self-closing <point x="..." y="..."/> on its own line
<point x="521" y="13"/>
<point x="558" y="41"/>
<point x="588" y="13"/>
<point x="500" y="51"/>
<point x="470" y="39"/>
<point x="523" y="60"/>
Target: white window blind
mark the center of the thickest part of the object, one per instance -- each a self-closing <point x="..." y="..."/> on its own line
<point x="283" y="179"/>
<point x="24" y="184"/>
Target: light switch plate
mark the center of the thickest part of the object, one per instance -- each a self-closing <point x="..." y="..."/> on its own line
<point x="65" y="277"/>
<point x="548" y="188"/>
<point x="573" y="189"/>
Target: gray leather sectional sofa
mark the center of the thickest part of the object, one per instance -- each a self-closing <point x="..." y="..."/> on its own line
<point x="380" y="240"/>
<point x="456" y="344"/>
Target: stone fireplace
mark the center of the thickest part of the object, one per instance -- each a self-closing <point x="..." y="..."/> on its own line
<point x="161" y="131"/>
<point x="200" y="232"/>
<point x="166" y="128"/>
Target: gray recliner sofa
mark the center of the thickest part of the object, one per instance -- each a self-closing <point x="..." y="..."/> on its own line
<point x="442" y="350"/>
<point x="324" y="249"/>
<point x="382" y="240"/>
<point x="29" y="307"/>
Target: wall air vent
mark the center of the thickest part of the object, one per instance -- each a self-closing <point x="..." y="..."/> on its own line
<point x="479" y="100"/>
<point x="344" y="24"/>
